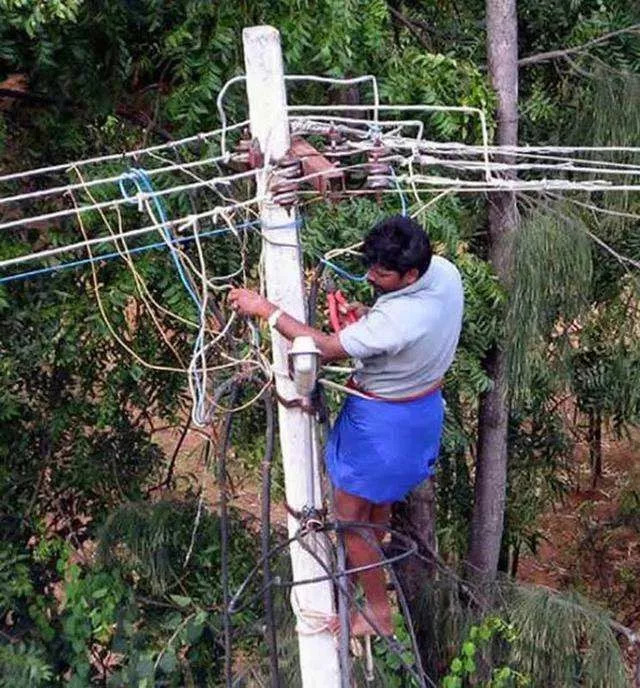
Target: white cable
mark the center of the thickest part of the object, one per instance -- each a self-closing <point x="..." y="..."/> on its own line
<point x="291" y="77"/>
<point x="500" y="184"/>
<point x="343" y="82"/>
<point x="221" y="112"/>
<point x="318" y="121"/>
<point x="118" y="156"/>
<point x="107" y="180"/>
<point x="124" y="201"/>
<point x="472" y="165"/>
<point x="410" y="108"/>
<point x="47" y="253"/>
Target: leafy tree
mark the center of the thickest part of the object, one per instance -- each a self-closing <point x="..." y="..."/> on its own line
<point x="78" y="413"/>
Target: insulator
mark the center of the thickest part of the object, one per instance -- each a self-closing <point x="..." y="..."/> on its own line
<point x="241" y="157"/>
<point x="377" y="153"/>
<point x="338" y="145"/>
<point x="241" y="160"/>
<point x="286" y="200"/>
<point x="374" y="168"/>
<point x="289" y="167"/>
<point x="376" y="182"/>
<point x="378" y="171"/>
<point x="283" y="185"/>
<point x="335" y="137"/>
<point x="243" y="146"/>
<point x="284" y="191"/>
<point x="256" y="159"/>
<point x="338" y="150"/>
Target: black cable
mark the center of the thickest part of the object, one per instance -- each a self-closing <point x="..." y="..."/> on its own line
<point x="402" y="600"/>
<point x="343" y="605"/>
<point x="265" y="533"/>
<point x="224" y="533"/>
<point x="234" y="608"/>
<point x="418" y="673"/>
<point x="395" y="647"/>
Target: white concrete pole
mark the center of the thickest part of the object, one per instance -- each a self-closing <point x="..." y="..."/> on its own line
<point x="284" y="281"/>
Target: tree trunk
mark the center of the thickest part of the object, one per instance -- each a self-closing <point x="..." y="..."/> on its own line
<point x="415" y="517"/>
<point x="491" y="470"/>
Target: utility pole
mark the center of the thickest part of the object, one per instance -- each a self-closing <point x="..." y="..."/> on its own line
<point x="285" y="287"/>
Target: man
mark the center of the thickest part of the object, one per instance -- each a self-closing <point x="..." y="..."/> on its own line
<point x="386" y="439"/>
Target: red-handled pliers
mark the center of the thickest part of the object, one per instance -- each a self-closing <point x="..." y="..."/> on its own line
<point x="336" y="300"/>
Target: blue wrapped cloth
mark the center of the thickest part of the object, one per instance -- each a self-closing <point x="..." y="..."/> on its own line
<point x="380" y="450"/>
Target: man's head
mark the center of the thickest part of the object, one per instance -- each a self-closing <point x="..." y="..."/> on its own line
<point x="397" y="252"/>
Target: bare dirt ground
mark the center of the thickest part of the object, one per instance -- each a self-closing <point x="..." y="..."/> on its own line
<point x="243" y="491"/>
<point x="591" y="539"/>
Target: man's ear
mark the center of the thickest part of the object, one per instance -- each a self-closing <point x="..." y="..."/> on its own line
<point x="410" y="276"/>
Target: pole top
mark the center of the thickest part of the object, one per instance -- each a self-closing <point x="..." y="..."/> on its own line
<point x="264" y="31"/>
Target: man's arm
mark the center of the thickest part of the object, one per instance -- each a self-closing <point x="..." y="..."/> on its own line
<point x="249" y="302"/>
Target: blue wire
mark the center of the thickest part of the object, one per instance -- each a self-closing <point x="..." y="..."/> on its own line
<point x="344" y="273"/>
<point x="403" y="200"/>
<point x="138" y="249"/>
<point x="115" y="254"/>
<point x="143" y="183"/>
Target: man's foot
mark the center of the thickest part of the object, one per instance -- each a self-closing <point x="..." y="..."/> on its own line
<point x="380" y="618"/>
<point x="359" y="626"/>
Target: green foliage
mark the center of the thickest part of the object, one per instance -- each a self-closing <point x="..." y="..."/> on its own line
<point x="551" y="287"/>
<point x="521" y="636"/>
<point x="482" y="328"/>
<point x="69" y="406"/>
<point x="563" y="639"/>
<point x="116" y="615"/>
<point x="389" y="665"/>
<point x="31" y="16"/>
<point x="539" y="451"/>
<point x="419" y="77"/>
<point x="76" y="411"/>
<point x="464" y="667"/>
<point x="92" y="601"/>
<point x="174" y="560"/>
<point x="23" y="665"/>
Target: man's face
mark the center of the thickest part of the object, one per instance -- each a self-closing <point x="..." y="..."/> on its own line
<point x="384" y="280"/>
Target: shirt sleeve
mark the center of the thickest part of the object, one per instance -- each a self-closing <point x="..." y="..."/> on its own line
<point x="376" y="333"/>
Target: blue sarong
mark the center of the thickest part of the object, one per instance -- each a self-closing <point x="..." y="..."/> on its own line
<point x="380" y="450"/>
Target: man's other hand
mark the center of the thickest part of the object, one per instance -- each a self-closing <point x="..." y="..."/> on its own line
<point x="248" y="302"/>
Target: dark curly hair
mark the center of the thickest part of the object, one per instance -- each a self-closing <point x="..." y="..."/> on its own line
<point x="398" y="243"/>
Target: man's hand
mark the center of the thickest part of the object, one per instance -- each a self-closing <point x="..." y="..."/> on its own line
<point x="247" y="302"/>
<point x="355" y="307"/>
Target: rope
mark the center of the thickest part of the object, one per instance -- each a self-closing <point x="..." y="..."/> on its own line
<point x="310" y="621"/>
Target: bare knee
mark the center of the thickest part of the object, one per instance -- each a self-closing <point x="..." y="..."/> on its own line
<point x="380" y="516"/>
<point x="352" y="508"/>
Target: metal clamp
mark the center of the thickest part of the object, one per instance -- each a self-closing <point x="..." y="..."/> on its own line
<point x="311" y="518"/>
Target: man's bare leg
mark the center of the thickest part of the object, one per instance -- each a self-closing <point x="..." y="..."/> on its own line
<point x="380" y="516"/>
<point x="361" y="552"/>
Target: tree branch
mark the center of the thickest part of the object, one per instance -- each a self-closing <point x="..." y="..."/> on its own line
<point x="554" y="54"/>
<point x="412" y="28"/>
<point x="166" y="483"/>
